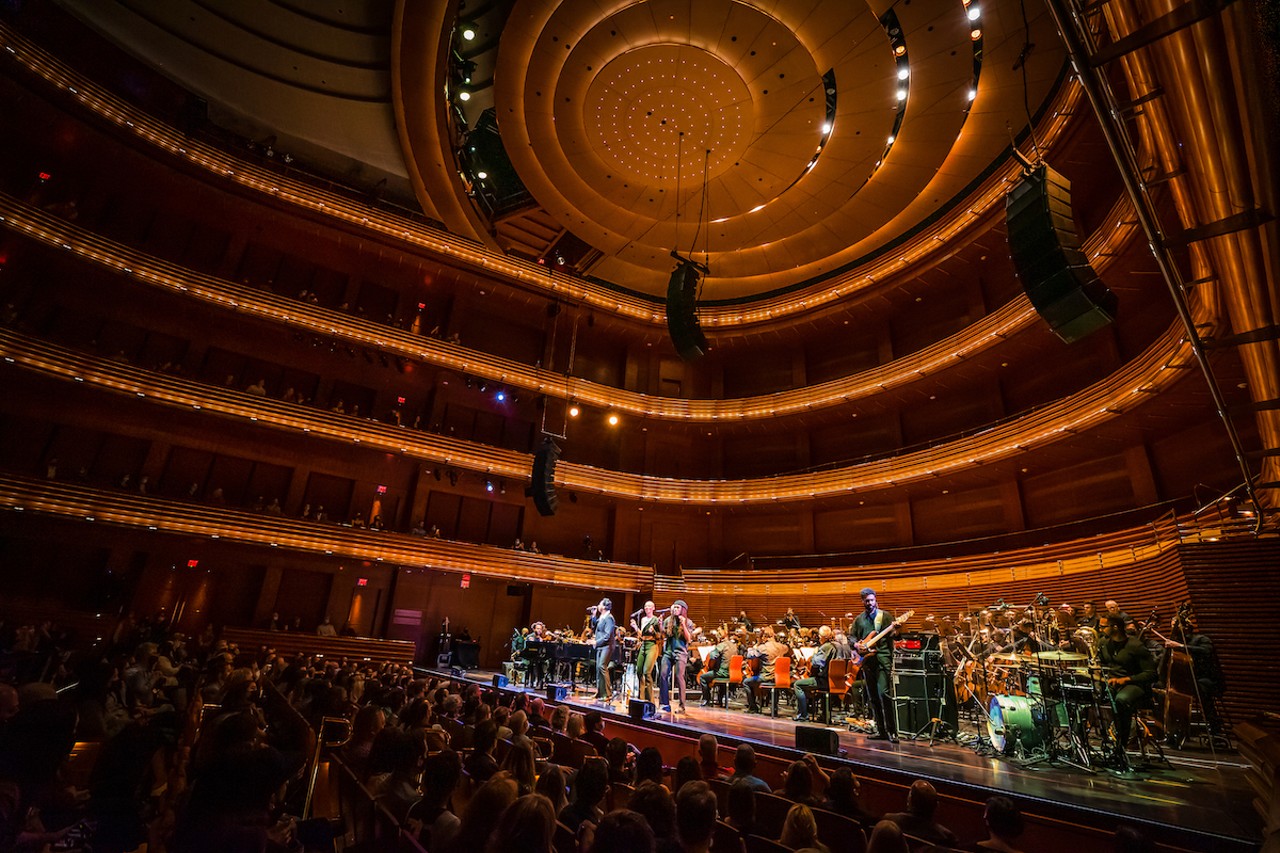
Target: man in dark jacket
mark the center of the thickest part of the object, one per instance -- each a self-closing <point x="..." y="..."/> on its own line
<point x="606" y="630"/>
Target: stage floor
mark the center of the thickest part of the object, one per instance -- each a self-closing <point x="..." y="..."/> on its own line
<point x="1206" y="794"/>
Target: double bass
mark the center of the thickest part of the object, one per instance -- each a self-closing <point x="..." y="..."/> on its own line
<point x="1179" y="679"/>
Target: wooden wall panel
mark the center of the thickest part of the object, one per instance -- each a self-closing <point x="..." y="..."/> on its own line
<point x="961" y="515"/>
<point x="1056" y="496"/>
<point x="304" y="594"/>
<point x="856" y="528"/>
<point x="1235" y="589"/>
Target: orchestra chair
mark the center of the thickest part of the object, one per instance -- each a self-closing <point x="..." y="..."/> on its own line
<point x="726" y="839"/>
<point x="841" y="834"/>
<point x="771" y="814"/>
<point x="735" y="677"/>
<point x="760" y="844"/>
<point x="564" y="840"/>
<point x="781" y="681"/>
<point x="837" y="686"/>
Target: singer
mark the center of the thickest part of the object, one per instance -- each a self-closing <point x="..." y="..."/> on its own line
<point x="650" y="630"/>
<point x="677" y="633"/>
<point x="602" y="623"/>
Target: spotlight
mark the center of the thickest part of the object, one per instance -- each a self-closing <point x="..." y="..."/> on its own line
<point x="975" y="34"/>
<point x="501" y="396"/>
<point x="891" y="138"/>
<point x="903" y="73"/>
<point x="973" y="93"/>
<point x="613" y="420"/>
<point x="464" y="95"/>
<point x="900" y="50"/>
<point x="826" y="128"/>
<point x="468" y="34"/>
<point x="902" y="94"/>
<point x="488" y="485"/>
<point x="573" y="411"/>
<point x="974" y="13"/>
<point x="482" y="174"/>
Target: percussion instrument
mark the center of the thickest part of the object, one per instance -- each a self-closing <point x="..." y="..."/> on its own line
<point x="1010" y="723"/>
<point x="1085" y="641"/>
<point x="1061" y="656"/>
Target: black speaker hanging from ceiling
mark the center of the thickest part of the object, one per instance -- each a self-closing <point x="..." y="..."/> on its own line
<point x="1048" y="259"/>
<point x="542" y="488"/>
<point x="682" y="317"/>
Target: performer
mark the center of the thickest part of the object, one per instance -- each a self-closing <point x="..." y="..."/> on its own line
<point x="605" y="640"/>
<point x="717" y="667"/>
<point x="650" y="630"/>
<point x="1205" y="669"/>
<point x="745" y="621"/>
<point x="824" y="654"/>
<point x="791" y="622"/>
<point x="1088" y="617"/>
<point x="768" y="651"/>
<point x="1132" y="672"/>
<point x="877" y="667"/>
<point x="677" y="633"/>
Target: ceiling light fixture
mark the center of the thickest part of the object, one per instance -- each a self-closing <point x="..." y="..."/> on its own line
<point x="903" y="73"/>
<point x="974" y="13"/>
<point x="468" y="34"/>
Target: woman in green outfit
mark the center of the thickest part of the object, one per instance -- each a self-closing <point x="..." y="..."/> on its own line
<point x="649" y="629"/>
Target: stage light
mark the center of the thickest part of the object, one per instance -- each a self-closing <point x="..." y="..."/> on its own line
<point x="973" y="93"/>
<point x="468" y="33"/>
<point x="902" y="94"/>
<point x="501" y="396"/>
<point x="903" y="73"/>
<point x="482" y="174"/>
<point x="488" y="485"/>
<point x="464" y="95"/>
<point x="573" y="411"/>
<point x="826" y="128"/>
<point x="974" y="13"/>
<point x="613" y="420"/>
<point x="900" y="50"/>
<point x="976" y="34"/>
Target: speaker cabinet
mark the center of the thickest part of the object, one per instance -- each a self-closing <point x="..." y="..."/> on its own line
<point x="557" y="692"/>
<point x="499" y="680"/>
<point x="921" y="696"/>
<point x="817" y="741"/>
<point x="1050" y="264"/>
<point x="542" y="488"/>
<point x="682" y="318"/>
<point x="640" y="710"/>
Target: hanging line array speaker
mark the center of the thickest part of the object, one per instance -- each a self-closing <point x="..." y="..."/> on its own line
<point x="1048" y="259"/>
<point x="682" y="319"/>
<point x="542" y="488"/>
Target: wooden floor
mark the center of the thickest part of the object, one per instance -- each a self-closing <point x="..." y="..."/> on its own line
<point x="1206" y="797"/>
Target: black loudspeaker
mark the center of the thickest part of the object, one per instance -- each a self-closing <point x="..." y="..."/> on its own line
<point x="817" y="741"/>
<point x="682" y="318"/>
<point x="1046" y="252"/>
<point x="640" y="710"/>
<point x="543" y="487"/>
<point x="499" y="680"/>
<point x="514" y="589"/>
<point x="921" y="696"/>
<point x="557" y="692"/>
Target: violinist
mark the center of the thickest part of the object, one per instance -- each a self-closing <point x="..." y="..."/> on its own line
<point x="1131" y="673"/>
<point x="767" y="652"/>
<point x="824" y="654"/>
<point x="717" y="665"/>
<point x="791" y="622"/>
<point x="745" y="621"/>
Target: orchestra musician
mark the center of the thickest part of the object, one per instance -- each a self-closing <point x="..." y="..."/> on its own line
<point x="877" y="664"/>
<point x="1088" y="617"/>
<point x="767" y="651"/>
<point x="717" y="666"/>
<point x="1205" y="668"/>
<point x="825" y="653"/>
<point x="791" y="622"/>
<point x="1131" y="673"/>
<point x="745" y="621"/>
<point x="677" y="633"/>
<point x="649" y="629"/>
<point x="605" y="628"/>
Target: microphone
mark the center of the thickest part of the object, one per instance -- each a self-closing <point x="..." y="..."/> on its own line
<point x="591" y="609"/>
<point x="1042" y="599"/>
<point x="999" y="605"/>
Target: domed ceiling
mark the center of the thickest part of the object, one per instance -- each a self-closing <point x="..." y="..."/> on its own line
<point x="782" y="140"/>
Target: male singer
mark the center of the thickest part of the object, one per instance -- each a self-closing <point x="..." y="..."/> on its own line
<point x="876" y="667"/>
<point x="678" y="632"/>
<point x="606" y="638"/>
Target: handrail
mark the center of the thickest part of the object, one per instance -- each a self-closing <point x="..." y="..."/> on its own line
<point x="322" y="744"/>
<point x="641" y="307"/>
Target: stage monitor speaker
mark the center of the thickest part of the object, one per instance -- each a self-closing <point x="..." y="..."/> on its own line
<point x="682" y="318"/>
<point x="817" y="741"/>
<point x="499" y="680"/>
<point x="1047" y="257"/>
<point x="543" y="486"/>
<point x="557" y="692"/>
<point x="933" y="694"/>
<point x="640" y="710"/>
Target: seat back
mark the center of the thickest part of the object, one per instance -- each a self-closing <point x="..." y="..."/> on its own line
<point x="782" y="673"/>
<point x="735" y="669"/>
<point x="726" y="839"/>
<point x="565" y="839"/>
<point x="760" y="844"/>
<point x="771" y="814"/>
<point x="837" y="682"/>
<point x="841" y="834"/>
<point x="620" y="795"/>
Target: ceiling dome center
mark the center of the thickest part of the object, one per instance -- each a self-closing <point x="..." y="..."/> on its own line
<point x="643" y="100"/>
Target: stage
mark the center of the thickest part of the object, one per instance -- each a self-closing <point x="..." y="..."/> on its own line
<point x="1205" y="798"/>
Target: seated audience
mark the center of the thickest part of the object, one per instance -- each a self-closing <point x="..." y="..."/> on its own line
<point x="1004" y="825"/>
<point x="589" y="789"/>
<point x="886" y="837"/>
<point x="655" y="803"/>
<point x="527" y="825"/>
<point x="480" y="764"/>
<point x="800" y="830"/>
<point x="437" y="824"/>
<point x="482" y="812"/>
<point x="918" y="820"/>
<point x="843" y="799"/>
<point x="744" y="766"/>
<point x="622" y="831"/>
<point x="696" y="817"/>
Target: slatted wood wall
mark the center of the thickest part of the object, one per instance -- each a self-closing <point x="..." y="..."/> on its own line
<point x="1235" y="589"/>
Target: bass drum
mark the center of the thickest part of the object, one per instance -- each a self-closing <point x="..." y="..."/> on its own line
<point x="1010" y="722"/>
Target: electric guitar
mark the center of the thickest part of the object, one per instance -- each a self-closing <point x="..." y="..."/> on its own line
<point x="855" y="665"/>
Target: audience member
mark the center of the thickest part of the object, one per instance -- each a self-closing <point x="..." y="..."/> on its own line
<point x="918" y="820"/>
<point x="589" y="789"/>
<point x="480" y="764"/>
<point x="488" y="802"/>
<point x="687" y="770"/>
<point x="696" y="817"/>
<point x="623" y="831"/>
<point x="437" y="825"/>
<point x="1004" y="825"/>
<point x="655" y="803"/>
<point x="800" y="829"/>
<point x="708" y="758"/>
<point x="886" y="837"/>
<point x="741" y="807"/>
<point x="744" y="766"/>
<point x="528" y="824"/>
<point x="843" y="798"/>
<point x="649" y="766"/>
<point x="520" y="763"/>
<point x="551" y="784"/>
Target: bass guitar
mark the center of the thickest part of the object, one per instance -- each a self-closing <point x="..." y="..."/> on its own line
<point x="855" y="665"/>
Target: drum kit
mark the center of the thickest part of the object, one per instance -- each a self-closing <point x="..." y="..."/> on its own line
<point x="1035" y="706"/>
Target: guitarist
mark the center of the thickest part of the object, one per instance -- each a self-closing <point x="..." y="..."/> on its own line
<point x="877" y="664"/>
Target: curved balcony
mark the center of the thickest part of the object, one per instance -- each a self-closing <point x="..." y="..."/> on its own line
<point x="928" y="242"/>
<point x="1155" y="370"/>
<point x="140" y="512"/>
<point x="988" y="332"/>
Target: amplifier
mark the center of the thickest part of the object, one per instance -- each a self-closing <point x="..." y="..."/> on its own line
<point x="917" y="660"/>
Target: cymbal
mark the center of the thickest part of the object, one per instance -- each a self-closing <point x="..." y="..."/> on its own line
<point x="1006" y="658"/>
<point x="1060" y="655"/>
